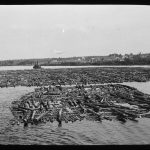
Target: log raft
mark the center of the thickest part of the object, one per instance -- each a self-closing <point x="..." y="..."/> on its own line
<point x="69" y="104"/>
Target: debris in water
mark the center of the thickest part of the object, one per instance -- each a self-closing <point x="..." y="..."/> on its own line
<point x="72" y="103"/>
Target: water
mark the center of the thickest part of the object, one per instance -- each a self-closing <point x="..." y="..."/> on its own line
<point x="142" y="86"/>
<point x="58" y="67"/>
<point x="83" y="133"/>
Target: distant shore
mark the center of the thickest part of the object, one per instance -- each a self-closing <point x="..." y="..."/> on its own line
<point x="82" y="65"/>
<point x="111" y="59"/>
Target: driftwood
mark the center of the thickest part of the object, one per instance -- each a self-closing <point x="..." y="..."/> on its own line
<point x="71" y="104"/>
<point x="95" y="75"/>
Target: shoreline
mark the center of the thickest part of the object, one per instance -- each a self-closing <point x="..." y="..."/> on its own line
<point x="19" y="68"/>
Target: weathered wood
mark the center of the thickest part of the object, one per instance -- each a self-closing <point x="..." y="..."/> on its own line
<point x="95" y="103"/>
<point x="93" y="112"/>
<point x="42" y="115"/>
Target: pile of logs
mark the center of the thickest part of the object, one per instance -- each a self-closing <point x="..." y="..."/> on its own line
<point x="72" y="103"/>
<point x="45" y="77"/>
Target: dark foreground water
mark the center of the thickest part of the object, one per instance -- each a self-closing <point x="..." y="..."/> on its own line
<point x="84" y="132"/>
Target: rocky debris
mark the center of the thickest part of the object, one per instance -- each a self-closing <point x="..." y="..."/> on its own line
<point x="72" y="103"/>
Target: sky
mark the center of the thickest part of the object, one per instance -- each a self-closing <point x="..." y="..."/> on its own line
<point x="47" y="31"/>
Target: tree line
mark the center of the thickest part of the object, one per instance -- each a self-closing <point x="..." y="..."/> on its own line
<point x="134" y="60"/>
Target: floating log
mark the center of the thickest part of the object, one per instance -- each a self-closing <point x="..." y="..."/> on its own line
<point x="42" y="115"/>
<point x="94" y="103"/>
<point x="93" y="112"/>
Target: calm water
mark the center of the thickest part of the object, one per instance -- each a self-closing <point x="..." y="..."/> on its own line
<point x="84" y="132"/>
<point x="58" y="67"/>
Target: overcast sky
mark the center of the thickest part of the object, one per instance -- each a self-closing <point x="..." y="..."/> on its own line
<point x="46" y="31"/>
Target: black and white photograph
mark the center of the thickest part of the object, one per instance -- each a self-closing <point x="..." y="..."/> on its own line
<point x="74" y="74"/>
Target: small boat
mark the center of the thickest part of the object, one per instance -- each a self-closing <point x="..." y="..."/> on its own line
<point x="36" y="66"/>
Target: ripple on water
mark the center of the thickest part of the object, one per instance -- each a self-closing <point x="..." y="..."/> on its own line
<point x="84" y="132"/>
